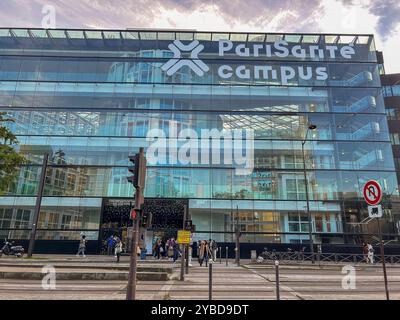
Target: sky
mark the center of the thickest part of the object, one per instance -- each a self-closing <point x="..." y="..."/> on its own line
<point x="381" y="18"/>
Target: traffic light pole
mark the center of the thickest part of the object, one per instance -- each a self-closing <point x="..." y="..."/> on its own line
<point x="131" y="287"/>
<point x="138" y="180"/>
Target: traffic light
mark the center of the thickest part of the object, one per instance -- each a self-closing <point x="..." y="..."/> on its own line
<point x="134" y="214"/>
<point x="134" y="179"/>
<point x="138" y="179"/>
<point x="146" y="219"/>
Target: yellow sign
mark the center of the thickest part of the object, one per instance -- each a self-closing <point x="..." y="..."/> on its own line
<point x="183" y="237"/>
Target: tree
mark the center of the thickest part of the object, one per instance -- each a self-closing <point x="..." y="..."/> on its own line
<point x="10" y="159"/>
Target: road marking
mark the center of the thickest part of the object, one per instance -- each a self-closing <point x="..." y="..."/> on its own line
<point x="164" y="290"/>
<point x="285" y="288"/>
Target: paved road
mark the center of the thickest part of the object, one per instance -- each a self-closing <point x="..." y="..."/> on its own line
<point x="253" y="282"/>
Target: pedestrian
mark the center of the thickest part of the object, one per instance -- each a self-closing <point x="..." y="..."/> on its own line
<point x="155" y="248"/>
<point x="82" y="246"/>
<point x="214" y="249"/>
<point x="365" y="252"/>
<point x="176" y="251"/>
<point x="162" y="249"/>
<point x="170" y="250"/>
<point x="118" y="249"/>
<point x="201" y="252"/>
<point x="110" y="245"/>
<point x="371" y="253"/>
<point x="159" y="249"/>
<point x="207" y="252"/>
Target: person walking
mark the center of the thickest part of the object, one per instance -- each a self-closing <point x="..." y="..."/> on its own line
<point x="159" y="249"/>
<point x="176" y="251"/>
<point x="82" y="246"/>
<point x="207" y="252"/>
<point x="201" y="252"/>
<point x="110" y="245"/>
<point x="155" y="248"/>
<point x="170" y="249"/>
<point x="214" y="249"/>
<point x="162" y="249"/>
<point x="365" y="252"/>
<point x="371" y="253"/>
<point x="118" y="249"/>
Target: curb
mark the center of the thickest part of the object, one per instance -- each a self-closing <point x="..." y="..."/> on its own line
<point x="142" y="276"/>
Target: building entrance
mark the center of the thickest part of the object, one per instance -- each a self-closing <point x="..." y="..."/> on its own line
<point x="167" y="218"/>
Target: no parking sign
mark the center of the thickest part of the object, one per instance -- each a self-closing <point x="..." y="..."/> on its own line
<point x="372" y="192"/>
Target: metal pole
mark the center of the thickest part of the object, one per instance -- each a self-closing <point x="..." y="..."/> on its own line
<point x="187" y="259"/>
<point x="308" y="205"/>
<point x="220" y="255"/>
<point x="278" y="297"/>
<point x="226" y="255"/>
<point x="210" y="280"/>
<point x="131" y="287"/>
<point x="237" y="232"/>
<point x="38" y="205"/>
<point x="383" y="259"/>
<point x="182" y="278"/>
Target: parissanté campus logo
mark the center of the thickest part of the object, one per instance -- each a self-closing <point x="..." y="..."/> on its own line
<point x="176" y="62"/>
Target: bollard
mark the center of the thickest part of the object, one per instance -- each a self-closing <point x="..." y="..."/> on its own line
<point x="210" y="263"/>
<point x="355" y="259"/>
<point x="277" y="279"/>
<point x="391" y="259"/>
<point x="226" y="255"/>
<point x="220" y="255"/>
<point x="336" y="260"/>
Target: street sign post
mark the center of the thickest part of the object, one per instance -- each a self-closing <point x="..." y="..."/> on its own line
<point x="373" y="195"/>
<point x="188" y="224"/>
<point x="372" y="192"/>
<point x="183" y="237"/>
<point x="375" y="211"/>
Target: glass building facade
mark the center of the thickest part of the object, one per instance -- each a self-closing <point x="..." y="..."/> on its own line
<point x="89" y="98"/>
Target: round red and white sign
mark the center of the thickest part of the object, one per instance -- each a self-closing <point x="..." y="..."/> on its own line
<point x="372" y="192"/>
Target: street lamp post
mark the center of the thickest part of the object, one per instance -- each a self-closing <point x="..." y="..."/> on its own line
<point x="310" y="127"/>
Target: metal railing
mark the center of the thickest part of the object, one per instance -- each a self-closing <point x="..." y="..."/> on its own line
<point x="303" y="257"/>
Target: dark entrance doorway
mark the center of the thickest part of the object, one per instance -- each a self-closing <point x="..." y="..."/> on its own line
<point x="115" y="219"/>
<point x="167" y="216"/>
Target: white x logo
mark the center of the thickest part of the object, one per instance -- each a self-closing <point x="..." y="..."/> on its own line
<point x="194" y="63"/>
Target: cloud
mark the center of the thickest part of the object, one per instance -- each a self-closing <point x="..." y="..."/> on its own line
<point x="336" y="16"/>
<point x="388" y="13"/>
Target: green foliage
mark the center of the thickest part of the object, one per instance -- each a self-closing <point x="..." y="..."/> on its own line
<point x="10" y="159"/>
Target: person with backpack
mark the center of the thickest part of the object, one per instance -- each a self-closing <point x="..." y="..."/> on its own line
<point x="82" y="246"/>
